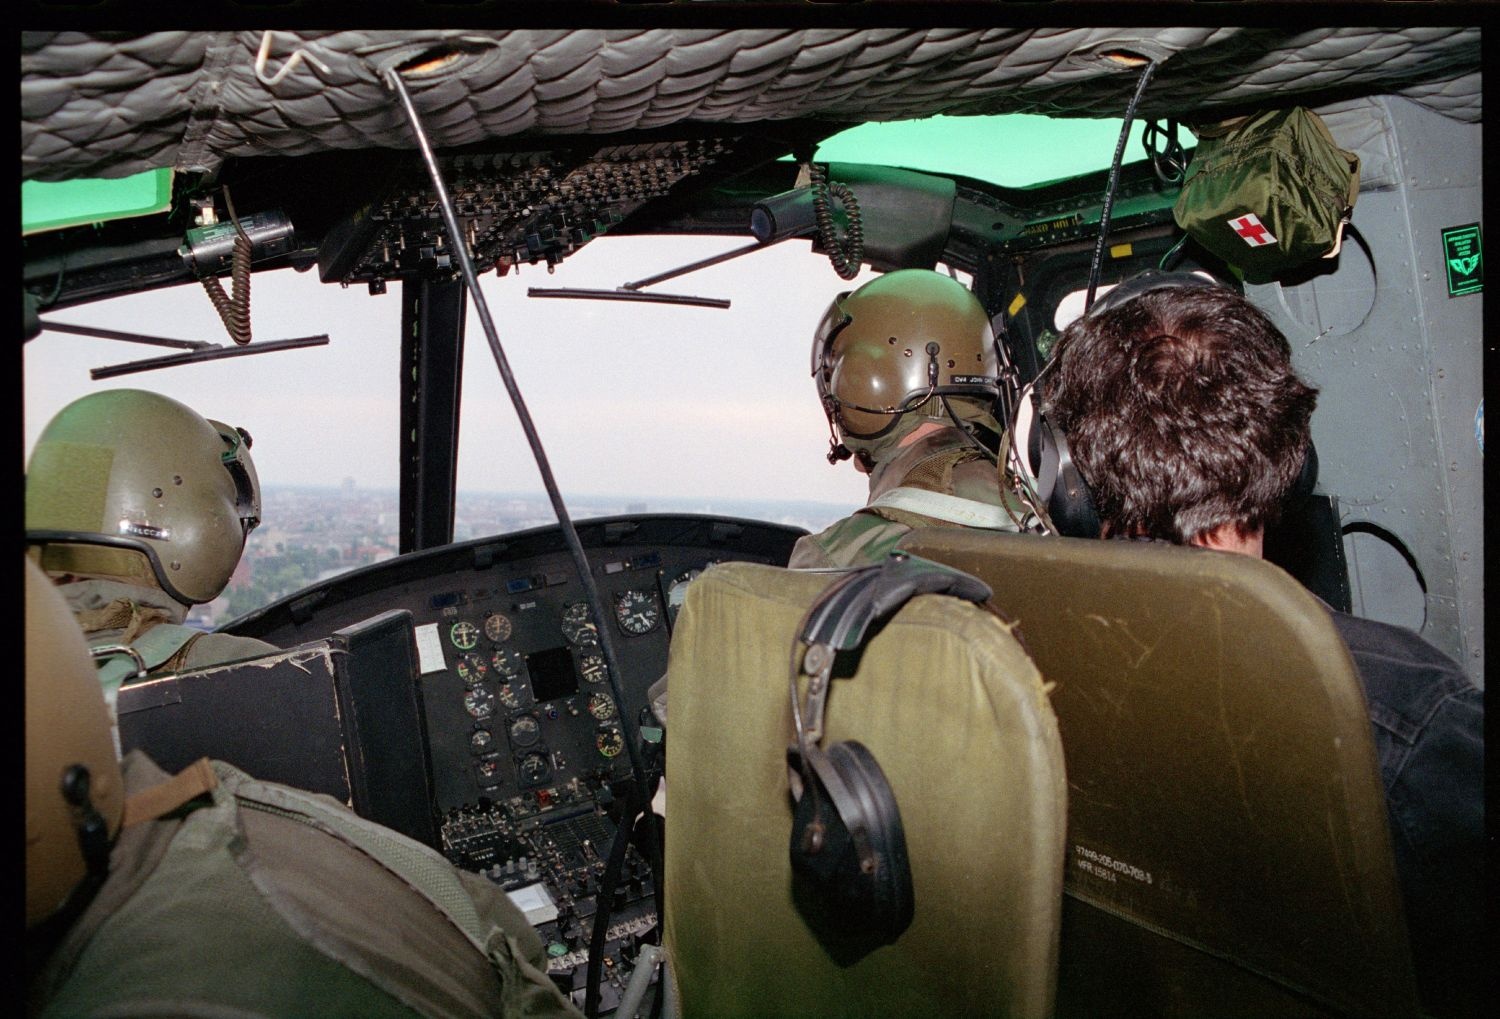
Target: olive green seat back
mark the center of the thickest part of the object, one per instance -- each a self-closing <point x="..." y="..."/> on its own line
<point x="1224" y="793"/>
<point x="957" y="717"/>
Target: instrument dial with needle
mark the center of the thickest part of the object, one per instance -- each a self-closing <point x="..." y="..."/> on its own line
<point x="637" y="611"/>
<point x="464" y="635"/>
<point x="508" y="663"/>
<point x="578" y="627"/>
<point x="479" y="702"/>
<point x="497" y="627"/>
<point x="525" y="731"/>
<point x="601" y="707"/>
<point x="470" y="668"/>
<point x="593" y="669"/>
<point x="609" y="741"/>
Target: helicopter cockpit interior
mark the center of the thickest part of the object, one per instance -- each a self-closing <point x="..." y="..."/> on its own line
<point x="488" y="694"/>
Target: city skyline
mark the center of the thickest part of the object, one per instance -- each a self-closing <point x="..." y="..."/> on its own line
<point x="310" y="533"/>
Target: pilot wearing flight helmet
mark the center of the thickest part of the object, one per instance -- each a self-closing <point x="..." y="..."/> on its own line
<point x="211" y="893"/>
<point x="138" y="507"/>
<point x="908" y="373"/>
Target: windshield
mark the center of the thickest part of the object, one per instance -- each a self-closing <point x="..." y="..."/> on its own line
<point x="641" y="407"/>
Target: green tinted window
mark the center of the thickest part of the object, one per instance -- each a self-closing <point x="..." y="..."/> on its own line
<point x="53" y="205"/>
<point x="1016" y="150"/>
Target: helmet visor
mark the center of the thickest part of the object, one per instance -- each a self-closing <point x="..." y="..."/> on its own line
<point x="833" y="321"/>
<point x="236" y="460"/>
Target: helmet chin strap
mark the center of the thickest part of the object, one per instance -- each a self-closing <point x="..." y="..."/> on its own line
<point x="836" y="449"/>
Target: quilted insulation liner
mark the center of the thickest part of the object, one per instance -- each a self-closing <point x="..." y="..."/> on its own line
<point x="111" y="105"/>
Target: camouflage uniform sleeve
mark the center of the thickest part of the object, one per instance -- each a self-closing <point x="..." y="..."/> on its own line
<point x="807" y="554"/>
<point x="863" y="538"/>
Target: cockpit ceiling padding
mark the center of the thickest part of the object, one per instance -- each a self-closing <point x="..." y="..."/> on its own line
<point x="106" y="105"/>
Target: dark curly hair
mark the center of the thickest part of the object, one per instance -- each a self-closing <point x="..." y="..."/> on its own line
<point x="1182" y="411"/>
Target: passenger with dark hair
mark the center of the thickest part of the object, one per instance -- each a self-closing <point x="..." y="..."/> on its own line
<point x="1186" y="419"/>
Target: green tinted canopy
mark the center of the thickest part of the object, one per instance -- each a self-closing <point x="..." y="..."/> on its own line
<point x="52" y="206"/>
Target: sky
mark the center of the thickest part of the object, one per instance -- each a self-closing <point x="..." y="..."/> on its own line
<point x="639" y="400"/>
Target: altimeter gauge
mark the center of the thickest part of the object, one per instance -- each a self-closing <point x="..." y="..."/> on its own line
<point x="637" y="611"/>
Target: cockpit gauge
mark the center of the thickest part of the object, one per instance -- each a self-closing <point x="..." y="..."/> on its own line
<point x="464" y="635"/>
<point x="480" y="740"/>
<point x="609" y="741"/>
<point x="479" y="702"/>
<point x="677" y="590"/>
<point x="508" y="696"/>
<point x="508" y="663"/>
<point x="525" y="731"/>
<point x="601" y="707"/>
<point x="534" y="769"/>
<point x="497" y="627"/>
<point x="488" y="771"/>
<point x="637" y="611"/>
<point x="470" y="668"/>
<point x="578" y="627"/>
<point x="593" y="669"/>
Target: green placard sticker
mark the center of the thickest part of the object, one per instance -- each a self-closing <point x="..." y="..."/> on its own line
<point x="1463" y="257"/>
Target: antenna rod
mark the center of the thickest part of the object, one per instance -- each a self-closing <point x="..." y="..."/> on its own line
<point x="570" y="533"/>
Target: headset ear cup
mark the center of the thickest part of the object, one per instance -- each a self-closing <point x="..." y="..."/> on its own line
<point x="1071" y="504"/>
<point x="889" y="884"/>
<point x="1307" y="478"/>
<point x="853" y="905"/>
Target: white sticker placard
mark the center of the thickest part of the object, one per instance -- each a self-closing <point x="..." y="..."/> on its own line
<point x="535" y="903"/>
<point x="430" y="649"/>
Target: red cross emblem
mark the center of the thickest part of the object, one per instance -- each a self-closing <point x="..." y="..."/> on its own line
<point x="1252" y="230"/>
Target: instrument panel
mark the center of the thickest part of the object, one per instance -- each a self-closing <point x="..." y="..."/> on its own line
<point x="516" y="686"/>
<point x="519" y="710"/>
<point x="525" y="737"/>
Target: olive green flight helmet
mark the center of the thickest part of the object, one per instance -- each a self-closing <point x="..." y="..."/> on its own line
<point x="67" y="732"/>
<point x="135" y="486"/>
<point x="884" y="355"/>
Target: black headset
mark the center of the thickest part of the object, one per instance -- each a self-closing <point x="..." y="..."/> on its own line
<point x="851" y="876"/>
<point x="1045" y="458"/>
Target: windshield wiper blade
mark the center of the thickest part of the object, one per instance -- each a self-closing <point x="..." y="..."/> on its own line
<point x="627" y="295"/>
<point x="635" y="291"/>
<point x="213" y="352"/>
<point x="115" y="334"/>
